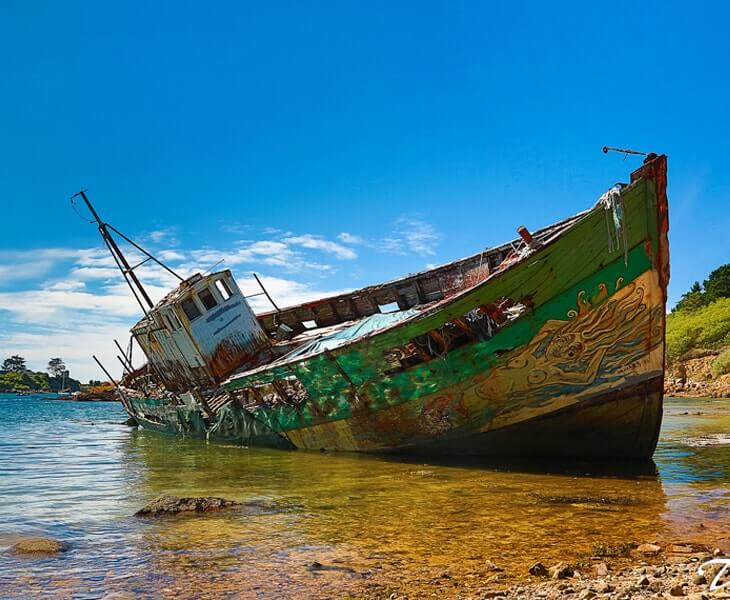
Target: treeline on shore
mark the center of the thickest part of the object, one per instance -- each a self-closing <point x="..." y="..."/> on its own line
<point x="15" y="376"/>
<point x="698" y="339"/>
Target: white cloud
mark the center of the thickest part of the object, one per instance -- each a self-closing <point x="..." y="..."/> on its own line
<point x="318" y="243"/>
<point x="16" y="265"/>
<point x="165" y="235"/>
<point x="75" y="345"/>
<point x="410" y="235"/>
<point x="285" y="292"/>
<point x="349" y="238"/>
<point x="78" y="302"/>
<point x="170" y="256"/>
<point x="267" y="252"/>
<point x="417" y="235"/>
<point x="64" y="285"/>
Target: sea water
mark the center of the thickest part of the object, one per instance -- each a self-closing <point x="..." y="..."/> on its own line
<point x="328" y="525"/>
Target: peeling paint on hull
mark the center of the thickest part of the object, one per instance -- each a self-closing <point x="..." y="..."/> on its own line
<point x="578" y="373"/>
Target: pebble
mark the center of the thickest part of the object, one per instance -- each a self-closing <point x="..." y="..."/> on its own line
<point x="490" y="566"/>
<point x="603" y="587"/>
<point x="649" y="549"/>
<point x="677" y="590"/>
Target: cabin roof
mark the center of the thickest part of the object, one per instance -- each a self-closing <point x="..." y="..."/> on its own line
<point x="176" y="295"/>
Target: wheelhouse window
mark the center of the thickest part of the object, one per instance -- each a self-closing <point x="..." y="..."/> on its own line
<point x="190" y="309"/>
<point x="222" y="287"/>
<point x="207" y="298"/>
<point x="175" y="321"/>
<point x="172" y="321"/>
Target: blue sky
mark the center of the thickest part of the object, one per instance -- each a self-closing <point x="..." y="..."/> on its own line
<point x="332" y="145"/>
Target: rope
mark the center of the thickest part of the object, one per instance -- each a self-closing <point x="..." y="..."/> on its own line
<point x="613" y="202"/>
<point x="73" y="206"/>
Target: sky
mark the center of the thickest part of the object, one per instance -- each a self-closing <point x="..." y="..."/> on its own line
<point x="327" y="146"/>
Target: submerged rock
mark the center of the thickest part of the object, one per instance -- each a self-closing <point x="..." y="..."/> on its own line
<point x="318" y="566"/>
<point x="39" y="545"/>
<point x="173" y="505"/>
<point x="649" y="549"/>
<point x="490" y="566"/>
<point x="538" y="569"/>
<point x="560" y="571"/>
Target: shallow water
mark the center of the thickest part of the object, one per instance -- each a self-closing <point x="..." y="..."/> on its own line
<point x="375" y="525"/>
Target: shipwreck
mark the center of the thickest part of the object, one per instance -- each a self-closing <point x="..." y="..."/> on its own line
<point x="551" y="344"/>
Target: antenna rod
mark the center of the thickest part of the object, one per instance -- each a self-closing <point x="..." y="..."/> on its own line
<point x="122" y="263"/>
<point x="263" y="289"/>
<point x="607" y="149"/>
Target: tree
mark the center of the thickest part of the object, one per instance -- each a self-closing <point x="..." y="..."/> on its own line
<point x="692" y="300"/>
<point x="56" y="367"/>
<point x="15" y="382"/>
<point x="41" y="381"/>
<point x="717" y="284"/>
<point x="15" y="363"/>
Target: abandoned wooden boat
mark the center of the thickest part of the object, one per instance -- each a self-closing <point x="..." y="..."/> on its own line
<point x="549" y="345"/>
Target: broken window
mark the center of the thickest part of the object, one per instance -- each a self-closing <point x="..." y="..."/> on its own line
<point x="222" y="287"/>
<point x="190" y="309"/>
<point x="207" y="298"/>
<point x="388" y="308"/>
<point x="309" y="324"/>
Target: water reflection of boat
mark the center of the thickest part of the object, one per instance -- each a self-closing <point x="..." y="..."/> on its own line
<point x="550" y="345"/>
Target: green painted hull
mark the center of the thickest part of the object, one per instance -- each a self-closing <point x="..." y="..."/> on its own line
<point x="579" y="373"/>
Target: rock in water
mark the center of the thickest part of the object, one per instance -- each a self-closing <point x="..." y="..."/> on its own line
<point x="538" y="569"/>
<point x="39" y="545"/>
<point x="560" y="571"/>
<point x="173" y="505"/>
<point x="649" y="549"/>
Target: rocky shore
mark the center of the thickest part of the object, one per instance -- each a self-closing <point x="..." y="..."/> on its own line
<point x="653" y="574"/>
<point x="100" y="393"/>
<point x="692" y="377"/>
<point x="648" y="571"/>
